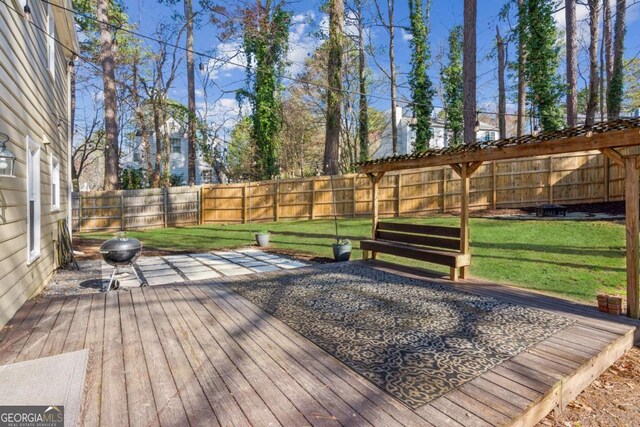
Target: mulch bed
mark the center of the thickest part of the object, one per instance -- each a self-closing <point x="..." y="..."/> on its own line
<point x="611" y="400"/>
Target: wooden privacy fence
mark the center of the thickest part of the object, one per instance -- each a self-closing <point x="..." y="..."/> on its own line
<point x="574" y="178"/>
<point x="135" y="209"/>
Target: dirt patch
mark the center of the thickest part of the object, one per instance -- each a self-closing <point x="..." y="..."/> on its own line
<point x="606" y="208"/>
<point x="611" y="400"/>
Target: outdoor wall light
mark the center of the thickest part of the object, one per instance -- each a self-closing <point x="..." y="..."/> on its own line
<point x="27" y="12"/>
<point x="7" y="158"/>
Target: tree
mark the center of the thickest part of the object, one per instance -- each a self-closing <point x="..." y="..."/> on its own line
<point x="363" y="121"/>
<point x="419" y="82"/>
<point x="451" y="77"/>
<point x="616" y="82"/>
<point x="389" y="25"/>
<point x="107" y="62"/>
<point x="545" y="88"/>
<point x="502" y="95"/>
<point x="592" y="103"/>
<point x="632" y="85"/>
<point x="607" y="52"/>
<point x="334" y="92"/>
<point x="469" y="70"/>
<point x="191" y="94"/>
<point x="86" y="147"/>
<point x="522" y="62"/>
<point x="572" y="63"/>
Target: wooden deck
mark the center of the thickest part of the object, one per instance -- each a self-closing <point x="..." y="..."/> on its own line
<point x="197" y="354"/>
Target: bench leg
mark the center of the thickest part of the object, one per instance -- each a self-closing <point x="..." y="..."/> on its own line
<point x="453" y="274"/>
<point x="374" y="255"/>
<point x="464" y="272"/>
<point x="365" y="255"/>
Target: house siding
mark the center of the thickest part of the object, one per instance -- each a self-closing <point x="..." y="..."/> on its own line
<point x="33" y="105"/>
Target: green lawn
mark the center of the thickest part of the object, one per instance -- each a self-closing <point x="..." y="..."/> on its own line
<point x="576" y="259"/>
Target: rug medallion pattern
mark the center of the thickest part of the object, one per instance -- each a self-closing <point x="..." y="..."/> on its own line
<point x="415" y="340"/>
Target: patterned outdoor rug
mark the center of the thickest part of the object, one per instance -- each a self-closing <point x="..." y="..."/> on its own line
<point x="413" y="339"/>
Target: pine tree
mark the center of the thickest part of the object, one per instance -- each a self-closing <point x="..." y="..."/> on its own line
<point x="545" y="89"/>
<point x="419" y="82"/>
<point x="452" y="81"/>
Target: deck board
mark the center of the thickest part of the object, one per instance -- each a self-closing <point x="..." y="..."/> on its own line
<point x="199" y="354"/>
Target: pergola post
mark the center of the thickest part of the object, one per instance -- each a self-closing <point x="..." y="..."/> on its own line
<point x="632" y="198"/>
<point x="375" y="181"/>
<point x="465" y="181"/>
<point x="465" y="170"/>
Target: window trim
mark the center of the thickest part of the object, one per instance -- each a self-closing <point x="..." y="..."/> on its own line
<point x="51" y="44"/>
<point x="54" y="165"/>
<point x="171" y="143"/>
<point x="33" y="169"/>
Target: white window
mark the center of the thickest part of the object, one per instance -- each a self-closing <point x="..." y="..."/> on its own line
<point x="176" y="145"/>
<point x="51" y="43"/>
<point x="207" y="176"/>
<point x="33" y="200"/>
<point x="55" y="184"/>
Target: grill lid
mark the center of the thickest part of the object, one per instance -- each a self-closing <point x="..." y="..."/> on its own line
<point x="120" y="243"/>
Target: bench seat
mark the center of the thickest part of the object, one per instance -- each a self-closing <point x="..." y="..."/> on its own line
<point x="436" y="256"/>
<point x="436" y="244"/>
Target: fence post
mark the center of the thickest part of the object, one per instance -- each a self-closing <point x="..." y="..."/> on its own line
<point x="399" y="195"/>
<point x="165" y="206"/>
<point x="313" y="198"/>
<point x="354" y="191"/>
<point x="494" y="179"/>
<point x="122" y="216"/>
<point x="444" y="189"/>
<point x="606" y="177"/>
<point x="244" y="204"/>
<point x="199" y="204"/>
<point x="79" y="212"/>
<point x="550" y="180"/>
<point x="276" y="203"/>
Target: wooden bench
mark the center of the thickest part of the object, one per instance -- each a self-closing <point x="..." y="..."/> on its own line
<point x="429" y="243"/>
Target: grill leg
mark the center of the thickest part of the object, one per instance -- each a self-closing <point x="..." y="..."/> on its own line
<point x="142" y="284"/>
<point x="113" y="275"/>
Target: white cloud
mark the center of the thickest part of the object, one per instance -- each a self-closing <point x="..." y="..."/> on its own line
<point x="301" y="42"/>
<point x="406" y="36"/>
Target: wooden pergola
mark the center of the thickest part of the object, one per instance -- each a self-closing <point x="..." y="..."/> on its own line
<point x="607" y="137"/>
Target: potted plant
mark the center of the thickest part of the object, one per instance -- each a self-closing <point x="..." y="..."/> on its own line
<point x="262" y="238"/>
<point x="342" y="250"/>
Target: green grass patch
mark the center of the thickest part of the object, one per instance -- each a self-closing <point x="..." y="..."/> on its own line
<point x="574" y="259"/>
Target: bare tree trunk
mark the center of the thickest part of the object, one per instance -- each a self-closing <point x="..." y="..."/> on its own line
<point x="607" y="46"/>
<point x="502" y="97"/>
<point x="592" y="99"/>
<point x="157" y="125"/>
<point x="191" y="93"/>
<point x="572" y="64"/>
<point x="363" y="113"/>
<point x="392" y="75"/>
<point x="107" y="61"/>
<point x="334" y="93"/>
<point x="469" y="70"/>
<point x="602" y="79"/>
<point x="614" y="98"/>
<point x="522" y="84"/>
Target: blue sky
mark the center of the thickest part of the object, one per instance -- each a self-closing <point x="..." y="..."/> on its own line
<point x="308" y="17"/>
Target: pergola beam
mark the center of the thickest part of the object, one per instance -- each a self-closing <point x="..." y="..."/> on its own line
<point x="612" y="139"/>
<point x="614" y="155"/>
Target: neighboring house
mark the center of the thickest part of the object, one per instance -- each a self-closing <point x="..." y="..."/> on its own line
<point x="407" y="136"/>
<point x="34" y="118"/>
<point x="179" y="156"/>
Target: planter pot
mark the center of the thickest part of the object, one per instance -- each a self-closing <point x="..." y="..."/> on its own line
<point x="341" y="252"/>
<point x="262" y="239"/>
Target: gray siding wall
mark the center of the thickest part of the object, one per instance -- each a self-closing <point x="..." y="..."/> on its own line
<point x="35" y="105"/>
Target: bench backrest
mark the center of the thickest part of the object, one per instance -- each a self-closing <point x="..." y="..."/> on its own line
<point x="432" y="236"/>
